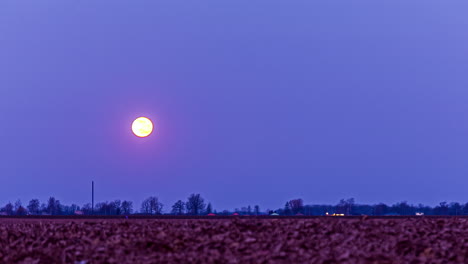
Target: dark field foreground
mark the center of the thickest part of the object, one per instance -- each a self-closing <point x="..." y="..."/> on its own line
<point x="320" y="240"/>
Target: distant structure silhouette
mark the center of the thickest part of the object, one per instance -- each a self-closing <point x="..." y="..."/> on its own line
<point x="92" y="197"/>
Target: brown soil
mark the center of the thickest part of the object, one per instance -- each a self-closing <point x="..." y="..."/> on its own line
<point x="321" y="240"/>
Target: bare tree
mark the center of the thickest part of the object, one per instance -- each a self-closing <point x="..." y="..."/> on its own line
<point x="380" y="209"/>
<point x="296" y="205"/>
<point x="8" y="209"/>
<point x="441" y="209"/>
<point x="287" y="209"/>
<point x="102" y="208"/>
<point x="345" y="206"/>
<point x="109" y="208"/>
<point x="43" y="208"/>
<point x="70" y="209"/>
<point x="209" y="209"/>
<point x="58" y="207"/>
<point x="126" y="207"/>
<point x="52" y="206"/>
<point x="18" y="204"/>
<point x="19" y="209"/>
<point x="195" y="204"/>
<point x="256" y="210"/>
<point x="402" y="208"/>
<point x="465" y="209"/>
<point x="87" y="209"/>
<point x="178" y="208"/>
<point x="455" y="208"/>
<point x="243" y="210"/>
<point x="117" y="207"/>
<point x="350" y="202"/>
<point x="151" y="206"/>
<point x="33" y="206"/>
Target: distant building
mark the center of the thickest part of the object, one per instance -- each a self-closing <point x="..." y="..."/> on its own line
<point x="79" y="212"/>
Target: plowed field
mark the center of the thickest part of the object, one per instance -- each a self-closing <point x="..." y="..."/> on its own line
<point x="320" y="240"/>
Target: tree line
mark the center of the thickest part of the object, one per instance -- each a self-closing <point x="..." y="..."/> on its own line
<point x="350" y="207"/>
<point x="195" y="205"/>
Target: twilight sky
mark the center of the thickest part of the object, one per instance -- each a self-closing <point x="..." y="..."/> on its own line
<point x="254" y="101"/>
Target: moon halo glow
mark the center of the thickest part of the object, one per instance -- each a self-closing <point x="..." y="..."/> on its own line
<point x="142" y="127"/>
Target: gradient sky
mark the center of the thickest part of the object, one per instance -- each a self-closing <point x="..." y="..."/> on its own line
<point x="254" y="101"/>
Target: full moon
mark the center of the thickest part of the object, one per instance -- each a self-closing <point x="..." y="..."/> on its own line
<point x="142" y="127"/>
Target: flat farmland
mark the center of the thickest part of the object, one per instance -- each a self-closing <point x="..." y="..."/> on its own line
<point x="235" y="240"/>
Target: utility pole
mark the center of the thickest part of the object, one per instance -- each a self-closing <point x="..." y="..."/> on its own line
<point x="92" y="197"/>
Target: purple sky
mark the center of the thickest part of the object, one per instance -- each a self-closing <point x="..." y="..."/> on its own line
<point x="254" y="102"/>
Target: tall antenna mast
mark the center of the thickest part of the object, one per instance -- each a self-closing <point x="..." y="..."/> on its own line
<point x="92" y="197"/>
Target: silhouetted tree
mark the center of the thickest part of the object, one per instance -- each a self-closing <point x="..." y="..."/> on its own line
<point x="18" y="204"/>
<point x="58" y="207"/>
<point x="34" y="207"/>
<point x="340" y="208"/>
<point x="455" y="209"/>
<point x="380" y="209"/>
<point x="441" y="209"/>
<point x="151" y="206"/>
<point x="209" y="209"/>
<point x="117" y="207"/>
<point x="8" y="209"/>
<point x="108" y="208"/>
<point x="102" y="208"/>
<point x="195" y="204"/>
<point x="43" y="208"/>
<point x="178" y="208"/>
<point x="87" y="209"/>
<point x="70" y="209"/>
<point x="256" y="210"/>
<point x="296" y="206"/>
<point x="52" y="206"/>
<point x="243" y="210"/>
<point x="363" y="209"/>
<point x="402" y="208"/>
<point x="465" y="209"/>
<point x="287" y="209"/>
<point x="345" y="206"/>
<point x="127" y="207"/>
<point x="21" y="211"/>
<point x="225" y="212"/>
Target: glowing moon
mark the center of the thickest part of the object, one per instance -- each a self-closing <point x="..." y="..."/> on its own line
<point x="142" y="127"/>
